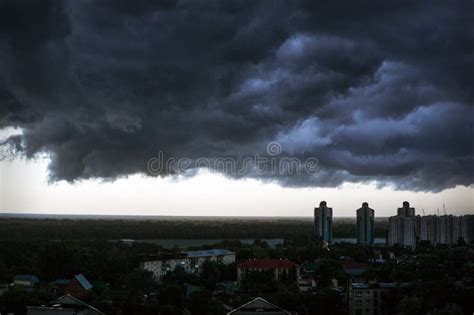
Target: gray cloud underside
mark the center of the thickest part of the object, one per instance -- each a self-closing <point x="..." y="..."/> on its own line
<point x="376" y="91"/>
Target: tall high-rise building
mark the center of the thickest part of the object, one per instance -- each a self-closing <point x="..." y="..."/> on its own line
<point x="466" y="228"/>
<point x="429" y="229"/>
<point x="402" y="228"/>
<point x="323" y="222"/>
<point x="365" y="224"/>
<point x="445" y="229"/>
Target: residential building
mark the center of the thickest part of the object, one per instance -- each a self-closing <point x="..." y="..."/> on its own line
<point x="259" y="306"/>
<point x="65" y="305"/>
<point x="58" y="286"/>
<point x="198" y="257"/>
<point x="163" y="264"/>
<point x="365" y="224"/>
<point x="306" y="279"/>
<point x="402" y="228"/>
<point x="281" y="268"/>
<point x="466" y="228"/>
<point x="25" y="282"/>
<point x="445" y="229"/>
<point x="429" y="229"/>
<point x="79" y="286"/>
<point x="190" y="262"/>
<point x="323" y="223"/>
<point x="367" y="298"/>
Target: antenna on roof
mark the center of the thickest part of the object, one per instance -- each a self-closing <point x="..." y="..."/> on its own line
<point x="423" y="210"/>
<point x="444" y="207"/>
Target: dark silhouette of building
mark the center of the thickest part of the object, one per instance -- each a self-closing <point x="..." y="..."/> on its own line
<point x="365" y="224"/>
<point x="323" y="223"/>
<point x="402" y="228"/>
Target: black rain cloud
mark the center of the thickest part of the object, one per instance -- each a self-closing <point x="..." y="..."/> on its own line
<point x="374" y="90"/>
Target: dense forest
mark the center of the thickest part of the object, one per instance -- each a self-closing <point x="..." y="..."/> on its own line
<point x="219" y="228"/>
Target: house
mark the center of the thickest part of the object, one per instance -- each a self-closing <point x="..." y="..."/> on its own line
<point x="281" y="268"/>
<point x="65" y="305"/>
<point x="258" y="306"/>
<point x="25" y="282"/>
<point x="58" y="286"/>
<point x="79" y="286"/>
<point x="198" y="257"/>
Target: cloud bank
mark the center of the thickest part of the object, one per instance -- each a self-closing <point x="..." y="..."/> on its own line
<point x="374" y="91"/>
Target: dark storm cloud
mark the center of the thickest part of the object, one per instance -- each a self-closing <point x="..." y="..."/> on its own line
<point x="375" y="91"/>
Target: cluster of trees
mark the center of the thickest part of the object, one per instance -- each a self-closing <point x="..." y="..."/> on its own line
<point x="94" y="229"/>
<point x="434" y="274"/>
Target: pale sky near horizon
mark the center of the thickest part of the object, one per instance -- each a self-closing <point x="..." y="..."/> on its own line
<point x="24" y="188"/>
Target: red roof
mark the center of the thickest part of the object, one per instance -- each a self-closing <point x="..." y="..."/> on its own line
<point x="267" y="263"/>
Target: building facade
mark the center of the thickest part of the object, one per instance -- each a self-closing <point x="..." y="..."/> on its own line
<point x="367" y="298"/>
<point x="323" y="223"/>
<point x="365" y="224"/>
<point x="429" y="229"/>
<point x="190" y="262"/>
<point x="281" y="268"/>
<point x="402" y="228"/>
<point x="466" y="228"/>
<point x="198" y="257"/>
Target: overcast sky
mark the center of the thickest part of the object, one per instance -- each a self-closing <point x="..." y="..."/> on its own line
<point x="378" y="96"/>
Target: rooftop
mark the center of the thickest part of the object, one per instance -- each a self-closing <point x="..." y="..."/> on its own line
<point x="267" y="263"/>
<point x="30" y="278"/>
<point x="209" y="253"/>
<point x="83" y="281"/>
<point x="259" y="305"/>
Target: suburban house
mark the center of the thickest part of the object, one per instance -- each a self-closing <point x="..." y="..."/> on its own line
<point x="79" y="286"/>
<point x="58" y="286"/>
<point x="65" y="305"/>
<point x="25" y="282"/>
<point x="259" y="306"/>
<point x="190" y="262"/>
<point x="281" y="268"/>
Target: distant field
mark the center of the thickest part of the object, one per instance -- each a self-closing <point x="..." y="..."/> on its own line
<point x="40" y="227"/>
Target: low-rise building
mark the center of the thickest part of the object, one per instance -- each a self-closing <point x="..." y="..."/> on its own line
<point x="367" y="298"/>
<point x="190" y="262"/>
<point x="306" y="279"/>
<point x="163" y="264"/>
<point x="25" y="282"/>
<point x="65" y="305"/>
<point x="198" y="257"/>
<point x="79" y="286"/>
<point x="281" y="268"/>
